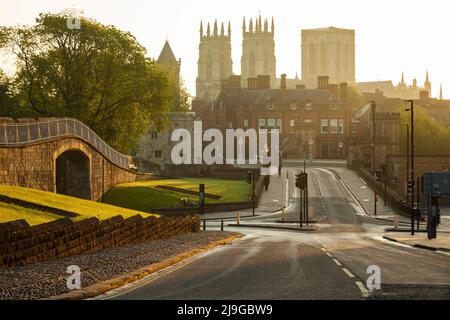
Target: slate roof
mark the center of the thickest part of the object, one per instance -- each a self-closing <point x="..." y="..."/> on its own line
<point x="318" y="97"/>
<point x="166" y="56"/>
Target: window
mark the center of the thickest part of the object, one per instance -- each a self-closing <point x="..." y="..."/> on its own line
<point x="158" y="154"/>
<point x="262" y="123"/>
<point x="292" y="123"/>
<point x="271" y="123"/>
<point x="324" y="126"/>
<point x="279" y="124"/>
<point x="333" y="126"/>
<point x="341" y="126"/>
<point x="154" y="135"/>
<point x="245" y="123"/>
<point x="209" y="68"/>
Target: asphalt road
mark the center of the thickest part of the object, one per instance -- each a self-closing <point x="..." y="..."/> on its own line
<point x="329" y="264"/>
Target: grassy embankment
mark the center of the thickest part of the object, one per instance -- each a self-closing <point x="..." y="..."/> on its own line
<point x="145" y="196"/>
<point x="85" y="208"/>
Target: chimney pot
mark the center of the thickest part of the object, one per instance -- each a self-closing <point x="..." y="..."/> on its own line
<point x="323" y="82"/>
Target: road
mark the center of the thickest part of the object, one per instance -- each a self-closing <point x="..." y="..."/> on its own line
<point x="331" y="263"/>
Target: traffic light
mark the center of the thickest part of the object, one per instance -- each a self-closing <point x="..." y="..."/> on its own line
<point x="301" y="180"/>
<point x="378" y="175"/>
<point x="249" y="177"/>
<point x="410" y="186"/>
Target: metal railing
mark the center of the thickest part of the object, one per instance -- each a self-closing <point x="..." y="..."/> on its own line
<point x="28" y="132"/>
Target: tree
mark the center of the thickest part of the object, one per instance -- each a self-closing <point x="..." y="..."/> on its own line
<point x="430" y="137"/>
<point x="97" y="74"/>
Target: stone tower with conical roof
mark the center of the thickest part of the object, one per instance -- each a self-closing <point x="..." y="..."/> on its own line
<point x="169" y="63"/>
<point x="214" y="61"/>
<point x="258" y="50"/>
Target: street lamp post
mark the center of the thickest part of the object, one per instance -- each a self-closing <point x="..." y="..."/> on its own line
<point x="407" y="164"/>
<point x="373" y="106"/>
<point x="412" y="182"/>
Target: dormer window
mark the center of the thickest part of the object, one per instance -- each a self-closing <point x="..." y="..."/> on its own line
<point x="293" y="105"/>
<point x="270" y="106"/>
<point x="308" y="105"/>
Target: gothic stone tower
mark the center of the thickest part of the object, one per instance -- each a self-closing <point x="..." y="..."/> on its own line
<point x="328" y="52"/>
<point x="214" y="62"/>
<point x="258" y="51"/>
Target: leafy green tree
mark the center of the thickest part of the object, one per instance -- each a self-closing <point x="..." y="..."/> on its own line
<point x="97" y="74"/>
<point x="430" y="137"/>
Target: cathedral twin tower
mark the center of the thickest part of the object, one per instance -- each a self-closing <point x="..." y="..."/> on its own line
<point x="215" y="62"/>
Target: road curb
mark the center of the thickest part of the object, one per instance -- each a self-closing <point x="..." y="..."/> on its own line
<point x="107" y="285"/>
<point x="417" y="245"/>
<point x="279" y="227"/>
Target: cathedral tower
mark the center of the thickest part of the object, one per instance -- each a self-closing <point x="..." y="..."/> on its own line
<point x="427" y="84"/>
<point x="214" y="62"/>
<point x="258" y="50"/>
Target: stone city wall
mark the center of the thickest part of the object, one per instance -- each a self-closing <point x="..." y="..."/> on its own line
<point x="21" y="244"/>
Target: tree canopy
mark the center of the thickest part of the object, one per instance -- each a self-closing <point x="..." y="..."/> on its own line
<point x="430" y="137"/>
<point x="97" y="74"/>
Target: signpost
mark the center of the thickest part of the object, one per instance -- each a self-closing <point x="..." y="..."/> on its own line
<point x="201" y="195"/>
<point x="301" y="182"/>
<point x="251" y="180"/>
<point x="434" y="185"/>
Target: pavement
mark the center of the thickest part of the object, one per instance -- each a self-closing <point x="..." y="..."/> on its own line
<point x="420" y="240"/>
<point x="334" y="262"/>
<point x="274" y="198"/>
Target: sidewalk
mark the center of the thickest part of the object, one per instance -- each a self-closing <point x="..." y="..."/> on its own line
<point x="420" y="240"/>
<point x="273" y="199"/>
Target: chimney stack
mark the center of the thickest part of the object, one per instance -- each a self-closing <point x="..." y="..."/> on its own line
<point x="323" y="82"/>
<point x="424" y="95"/>
<point x="343" y="92"/>
<point x="263" y="82"/>
<point x="252" y="83"/>
<point x="283" y="85"/>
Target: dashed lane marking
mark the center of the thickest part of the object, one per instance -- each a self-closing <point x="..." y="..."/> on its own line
<point x="363" y="289"/>
<point x="347" y="272"/>
<point x="328" y="254"/>
<point x="337" y="262"/>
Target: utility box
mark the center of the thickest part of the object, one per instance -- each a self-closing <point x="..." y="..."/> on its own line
<point x="435" y="184"/>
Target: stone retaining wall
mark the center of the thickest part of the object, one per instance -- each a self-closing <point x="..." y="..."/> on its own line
<point x="34" y="166"/>
<point x="21" y="244"/>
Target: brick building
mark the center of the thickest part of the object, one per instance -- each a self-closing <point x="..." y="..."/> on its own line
<point x="313" y="123"/>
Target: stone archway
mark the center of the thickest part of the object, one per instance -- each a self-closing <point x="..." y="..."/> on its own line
<point x="73" y="174"/>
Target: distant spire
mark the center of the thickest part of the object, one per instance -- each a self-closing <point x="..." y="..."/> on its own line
<point x="215" y="27"/>
<point x="259" y="23"/>
<point x="250" y="26"/>
<point x="427" y="79"/>
<point x="229" y="28"/>
<point x="244" y="27"/>
<point x="208" y="30"/>
<point x="296" y="76"/>
<point x="273" y="26"/>
<point x="266" y="26"/>
<point x="441" y="97"/>
<point x="403" y="79"/>
<point x="222" y="30"/>
<point x="201" y="29"/>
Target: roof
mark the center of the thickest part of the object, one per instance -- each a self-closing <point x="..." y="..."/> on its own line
<point x="166" y="56"/>
<point x="329" y="29"/>
<point x="372" y="86"/>
<point x="318" y="97"/>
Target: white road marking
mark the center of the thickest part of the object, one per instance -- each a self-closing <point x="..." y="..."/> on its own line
<point x="329" y="254"/>
<point x="337" y="262"/>
<point x="363" y="180"/>
<point x="323" y="249"/>
<point x="347" y="272"/>
<point x="363" y="289"/>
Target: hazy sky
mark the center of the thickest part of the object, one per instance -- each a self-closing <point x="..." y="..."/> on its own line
<point x="391" y="35"/>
